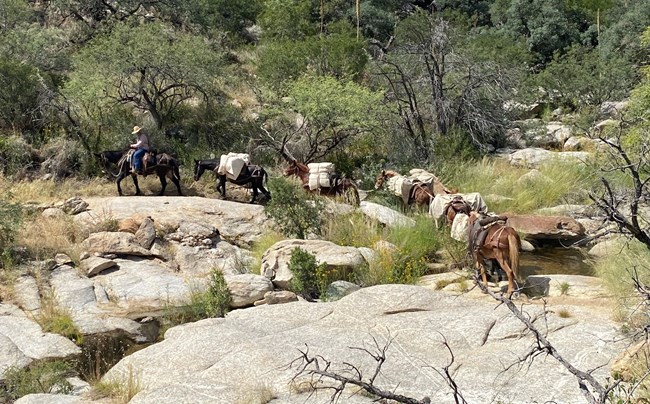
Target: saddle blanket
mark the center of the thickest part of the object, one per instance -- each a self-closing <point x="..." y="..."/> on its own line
<point x="232" y="164"/>
<point x="437" y="206"/>
<point x="320" y="175"/>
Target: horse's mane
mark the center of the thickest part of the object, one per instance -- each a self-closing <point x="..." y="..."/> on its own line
<point x="391" y="173"/>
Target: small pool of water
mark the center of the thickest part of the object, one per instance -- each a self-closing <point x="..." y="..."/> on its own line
<point x="555" y="260"/>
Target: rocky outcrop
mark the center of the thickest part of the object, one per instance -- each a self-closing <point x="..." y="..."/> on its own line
<point x="247" y="353"/>
<point x="276" y="259"/>
<point x="536" y="157"/>
<point x="238" y="222"/>
<point x="114" y="242"/>
<point x="385" y="215"/>
<point x="546" y="227"/>
<point x="246" y="289"/>
<point x="22" y="341"/>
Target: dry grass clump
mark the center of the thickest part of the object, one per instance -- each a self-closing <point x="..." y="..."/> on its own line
<point x="258" y="394"/>
<point x="44" y="237"/>
<point x="47" y="191"/>
<point x="120" y="391"/>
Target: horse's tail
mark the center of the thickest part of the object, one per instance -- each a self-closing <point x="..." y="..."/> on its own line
<point x="513" y="248"/>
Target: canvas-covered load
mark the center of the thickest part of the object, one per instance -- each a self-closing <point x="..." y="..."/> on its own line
<point x="319" y="175"/>
<point x="460" y="227"/>
<point x="418" y="174"/>
<point x="440" y="202"/>
<point x="400" y="186"/>
<point x="232" y="164"/>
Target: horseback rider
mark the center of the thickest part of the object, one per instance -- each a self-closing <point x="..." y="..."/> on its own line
<point x="141" y="146"/>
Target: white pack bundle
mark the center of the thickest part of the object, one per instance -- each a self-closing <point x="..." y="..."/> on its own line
<point x="232" y="164"/>
<point x="421" y="175"/>
<point x="319" y="175"/>
<point x="396" y="184"/>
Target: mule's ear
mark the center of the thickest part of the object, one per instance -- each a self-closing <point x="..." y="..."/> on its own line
<point x="383" y="172"/>
<point x="196" y="161"/>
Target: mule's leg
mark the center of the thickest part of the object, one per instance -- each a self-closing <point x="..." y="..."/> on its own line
<point x="221" y="185"/>
<point x="506" y="268"/>
<point x="265" y="191"/>
<point x="118" y="180"/>
<point x="255" y="193"/>
<point x="175" y="181"/>
<point x="163" y="183"/>
<point x="137" y="186"/>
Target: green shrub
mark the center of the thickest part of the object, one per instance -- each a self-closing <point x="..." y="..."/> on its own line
<point x="217" y="299"/>
<point x="407" y="268"/>
<point x="16" y="155"/>
<point x="419" y="241"/>
<point x="10" y="219"/>
<point x="305" y="270"/>
<point x="42" y="377"/>
<point x="295" y="212"/>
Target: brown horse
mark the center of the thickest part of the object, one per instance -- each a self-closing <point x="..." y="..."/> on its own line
<point x="343" y="187"/>
<point x="501" y="243"/>
<point x="421" y="194"/>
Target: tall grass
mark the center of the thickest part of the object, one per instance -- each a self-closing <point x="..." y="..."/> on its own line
<point x="46" y="236"/>
<point x="419" y="241"/>
<point x="121" y="392"/>
<point x="616" y="271"/>
<point x="55" y="319"/>
<point x="560" y="183"/>
<point x="354" y="229"/>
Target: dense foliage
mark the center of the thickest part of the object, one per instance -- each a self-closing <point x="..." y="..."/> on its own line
<point x="398" y="79"/>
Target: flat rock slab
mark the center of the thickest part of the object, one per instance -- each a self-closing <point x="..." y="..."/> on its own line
<point x="22" y="341"/>
<point x="236" y="221"/>
<point x="248" y="352"/>
<point x="385" y="215"/>
<point x="537" y="227"/>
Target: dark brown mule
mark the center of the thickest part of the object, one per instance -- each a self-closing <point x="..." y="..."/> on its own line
<point x="501" y="243"/>
<point x="343" y="187"/>
<point x="421" y="194"/>
<point x="164" y="167"/>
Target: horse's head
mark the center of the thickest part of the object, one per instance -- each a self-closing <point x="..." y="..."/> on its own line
<point x="292" y="169"/>
<point x="381" y="178"/>
<point x="198" y="170"/>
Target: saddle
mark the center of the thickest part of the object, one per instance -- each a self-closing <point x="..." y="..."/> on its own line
<point x="148" y="160"/>
<point x="478" y="231"/>
<point x="458" y="204"/>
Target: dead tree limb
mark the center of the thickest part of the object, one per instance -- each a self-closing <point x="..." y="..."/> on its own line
<point x="320" y="369"/>
<point x="592" y="390"/>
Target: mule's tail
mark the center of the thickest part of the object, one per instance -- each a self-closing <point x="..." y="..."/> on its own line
<point x="513" y="248"/>
<point x="176" y="170"/>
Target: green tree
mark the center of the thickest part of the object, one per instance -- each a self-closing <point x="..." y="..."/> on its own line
<point x="548" y="26"/>
<point x="583" y="77"/>
<point x="293" y="211"/>
<point x="148" y="67"/>
<point x="338" y="54"/>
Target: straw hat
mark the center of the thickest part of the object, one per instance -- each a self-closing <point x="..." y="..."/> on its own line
<point x="136" y="129"/>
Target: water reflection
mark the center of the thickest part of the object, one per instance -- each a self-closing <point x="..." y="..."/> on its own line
<point x="557" y="260"/>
